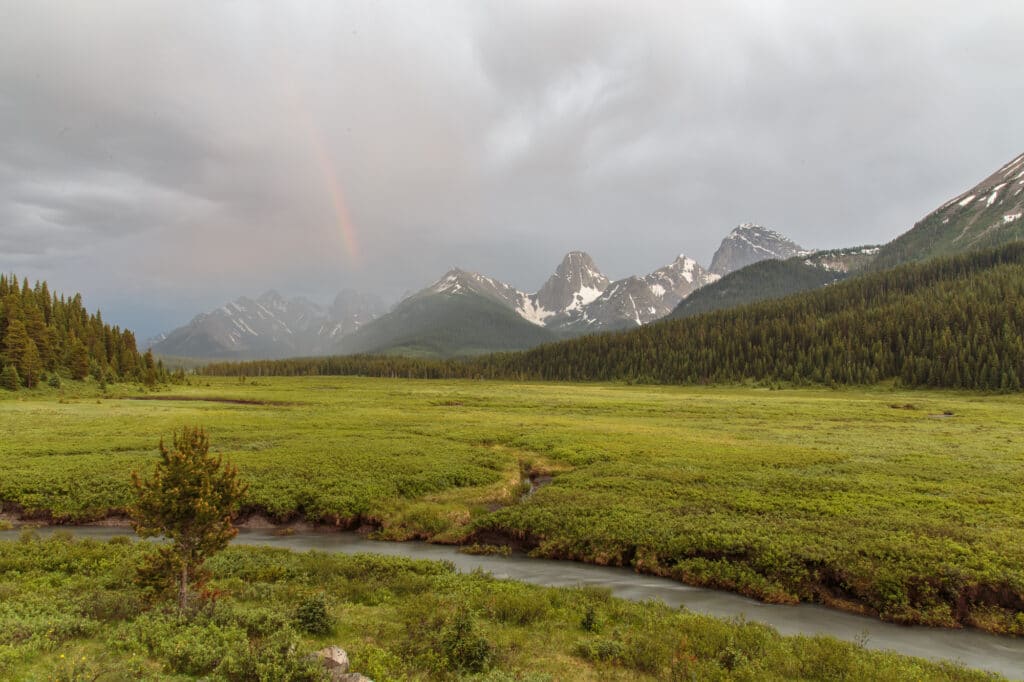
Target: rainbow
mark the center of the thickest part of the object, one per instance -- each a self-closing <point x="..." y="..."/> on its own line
<point x="319" y="149"/>
<point x="337" y="196"/>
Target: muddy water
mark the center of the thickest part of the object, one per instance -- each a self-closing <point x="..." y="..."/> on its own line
<point x="971" y="648"/>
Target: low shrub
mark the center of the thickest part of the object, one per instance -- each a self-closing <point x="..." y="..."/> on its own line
<point x="311" y="615"/>
<point x="463" y="646"/>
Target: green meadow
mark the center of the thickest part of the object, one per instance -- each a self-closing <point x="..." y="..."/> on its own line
<point x="905" y="505"/>
<point x="73" y="610"/>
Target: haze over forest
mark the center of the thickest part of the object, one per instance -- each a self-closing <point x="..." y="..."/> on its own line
<point x="163" y="159"/>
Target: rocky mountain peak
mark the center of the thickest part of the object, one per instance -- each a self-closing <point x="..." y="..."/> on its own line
<point x="577" y="281"/>
<point x="750" y="243"/>
<point x="451" y="282"/>
<point x="459" y="281"/>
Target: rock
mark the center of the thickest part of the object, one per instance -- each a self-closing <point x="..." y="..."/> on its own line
<point x="353" y="677"/>
<point x="335" y="661"/>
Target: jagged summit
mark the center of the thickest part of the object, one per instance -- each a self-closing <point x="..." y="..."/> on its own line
<point x="638" y="300"/>
<point x="749" y="243"/>
<point x="577" y="281"/>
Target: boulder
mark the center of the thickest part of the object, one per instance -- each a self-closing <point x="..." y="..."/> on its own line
<point x="335" y="661"/>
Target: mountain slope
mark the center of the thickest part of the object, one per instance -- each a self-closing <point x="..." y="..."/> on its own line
<point x="989" y="214"/>
<point x="457" y="320"/>
<point x="758" y="282"/>
<point x="749" y="243"/>
<point x="769" y="279"/>
<point x="270" y="326"/>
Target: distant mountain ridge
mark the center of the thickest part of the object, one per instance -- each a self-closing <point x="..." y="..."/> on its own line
<point x="579" y="298"/>
<point x="576" y="299"/>
<point x="270" y="326"/>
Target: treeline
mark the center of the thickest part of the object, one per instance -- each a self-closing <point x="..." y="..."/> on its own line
<point x="384" y="366"/>
<point x="46" y="334"/>
<point x="955" y="322"/>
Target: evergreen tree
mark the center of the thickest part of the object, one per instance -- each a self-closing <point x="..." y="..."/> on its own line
<point x="9" y="378"/>
<point x="149" y="369"/>
<point x="78" y="360"/>
<point x="15" y="342"/>
<point x="31" y="365"/>
<point x="191" y="500"/>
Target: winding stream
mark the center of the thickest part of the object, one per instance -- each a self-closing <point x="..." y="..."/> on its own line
<point x="972" y="648"/>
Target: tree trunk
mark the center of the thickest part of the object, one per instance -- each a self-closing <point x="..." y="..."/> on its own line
<point x="183" y="587"/>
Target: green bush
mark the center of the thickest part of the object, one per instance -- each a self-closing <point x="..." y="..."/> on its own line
<point x="311" y="616"/>
<point x="380" y="665"/>
<point x="463" y="646"/>
<point x="277" y="657"/>
<point x="589" y="622"/>
<point x="601" y="650"/>
<point x="257" y="622"/>
<point x="199" y="649"/>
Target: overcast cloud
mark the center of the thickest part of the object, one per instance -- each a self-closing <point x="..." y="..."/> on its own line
<point x="164" y="157"/>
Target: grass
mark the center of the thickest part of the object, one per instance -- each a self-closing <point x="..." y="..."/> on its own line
<point x="869" y="500"/>
<point x="72" y="610"/>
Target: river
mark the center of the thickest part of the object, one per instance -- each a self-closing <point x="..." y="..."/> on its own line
<point x="972" y="648"/>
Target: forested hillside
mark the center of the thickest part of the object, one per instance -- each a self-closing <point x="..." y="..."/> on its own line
<point x="955" y="322"/>
<point x="768" y="279"/>
<point x="43" y="333"/>
<point x="456" y="325"/>
<point x="761" y="281"/>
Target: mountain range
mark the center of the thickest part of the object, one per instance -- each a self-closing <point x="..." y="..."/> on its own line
<point x="467" y="313"/>
<point x="464" y="313"/>
<point x="270" y="326"/>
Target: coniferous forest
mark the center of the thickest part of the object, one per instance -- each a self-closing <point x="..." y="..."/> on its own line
<point x="954" y="322"/>
<point x="43" y="334"/>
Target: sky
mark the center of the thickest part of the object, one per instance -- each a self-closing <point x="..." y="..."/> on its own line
<point x="163" y="158"/>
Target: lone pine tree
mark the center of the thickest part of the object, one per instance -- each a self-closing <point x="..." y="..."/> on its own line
<point x="191" y="499"/>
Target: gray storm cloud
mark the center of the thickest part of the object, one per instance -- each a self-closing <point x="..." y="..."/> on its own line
<point x="163" y="157"/>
